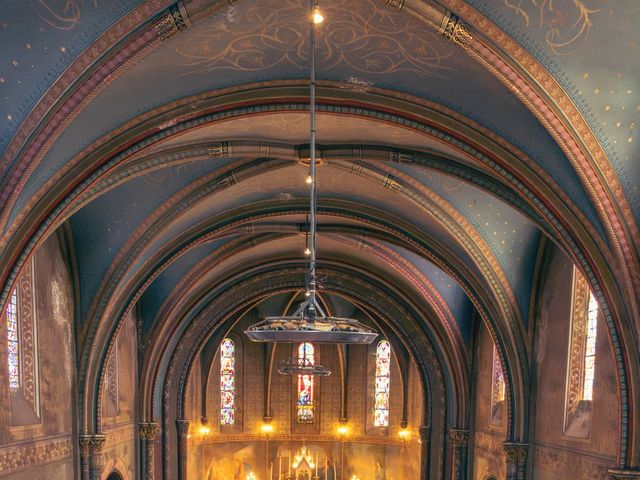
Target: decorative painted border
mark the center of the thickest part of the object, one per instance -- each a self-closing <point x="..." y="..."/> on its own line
<point x="34" y="454"/>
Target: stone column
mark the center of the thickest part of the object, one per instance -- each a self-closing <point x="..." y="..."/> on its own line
<point x="516" y="460"/>
<point x="183" y="431"/>
<point x="91" y="456"/>
<point x="147" y="432"/>
<point x="85" y="451"/>
<point x="459" y="444"/>
<point x="425" y="444"/>
<point x="624" y="474"/>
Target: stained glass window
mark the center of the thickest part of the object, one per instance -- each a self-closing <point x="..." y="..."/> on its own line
<point x="13" y="341"/>
<point x="306" y="356"/>
<point x="590" y="348"/>
<point x="497" y="390"/>
<point x="383" y="375"/>
<point x="227" y="382"/>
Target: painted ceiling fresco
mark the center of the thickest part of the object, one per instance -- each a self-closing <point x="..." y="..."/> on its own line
<point x="39" y="39"/>
<point x="592" y="47"/>
<point x="363" y="45"/>
<point x="266" y="40"/>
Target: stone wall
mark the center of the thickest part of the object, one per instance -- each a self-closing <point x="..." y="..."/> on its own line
<point x="43" y="448"/>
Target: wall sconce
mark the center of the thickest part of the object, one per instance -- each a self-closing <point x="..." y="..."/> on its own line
<point x="343" y="430"/>
<point x="266" y="428"/>
<point x="204" y="427"/>
<point x="404" y="434"/>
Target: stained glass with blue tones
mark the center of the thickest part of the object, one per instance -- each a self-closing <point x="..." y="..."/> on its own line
<point x="227" y="382"/>
<point x="13" y="345"/>
<point x="305" y="411"/>
<point x="382" y="384"/>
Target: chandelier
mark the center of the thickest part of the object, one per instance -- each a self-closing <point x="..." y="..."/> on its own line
<point x="310" y="323"/>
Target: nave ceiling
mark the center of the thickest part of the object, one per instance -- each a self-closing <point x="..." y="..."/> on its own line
<point x="176" y="165"/>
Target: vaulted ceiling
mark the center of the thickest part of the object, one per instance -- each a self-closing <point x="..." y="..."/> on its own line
<point x="174" y="155"/>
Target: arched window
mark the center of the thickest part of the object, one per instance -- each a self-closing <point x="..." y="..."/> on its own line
<point x="590" y="348"/>
<point x="383" y="377"/>
<point x="227" y="382"/>
<point x="497" y="390"/>
<point x="13" y="341"/>
<point x="582" y="358"/>
<point x="22" y="349"/>
<point x="305" y="413"/>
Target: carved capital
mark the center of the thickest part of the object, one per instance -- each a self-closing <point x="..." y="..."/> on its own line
<point x="176" y="20"/>
<point x="148" y="431"/>
<point x="91" y="444"/>
<point x="616" y="474"/>
<point x="516" y="452"/>
<point x="458" y="437"/>
<point x="455" y="30"/>
<point x="183" y="427"/>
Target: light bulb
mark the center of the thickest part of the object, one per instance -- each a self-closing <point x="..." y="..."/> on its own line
<point x="317" y="16"/>
<point x="309" y="180"/>
<point x="307" y="293"/>
<point x="307" y="251"/>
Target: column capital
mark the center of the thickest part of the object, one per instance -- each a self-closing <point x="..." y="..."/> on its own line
<point x="618" y="474"/>
<point x="91" y="444"/>
<point x="183" y="427"/>
<point x="458" y="436"/>
<point x="516" y="452"/>
<point x="148" y="430"/>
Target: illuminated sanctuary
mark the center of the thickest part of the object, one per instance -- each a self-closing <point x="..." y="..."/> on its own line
<point x="320" y="240"/>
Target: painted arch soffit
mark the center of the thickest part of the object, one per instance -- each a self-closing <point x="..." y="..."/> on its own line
<point x="282" y="188"/>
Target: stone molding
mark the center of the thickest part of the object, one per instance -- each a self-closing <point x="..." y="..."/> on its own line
<point x="624" y="474"/>
<point x="148" y="430"/>
<point x="91" y="444"/>
<point x="458" y="437"/>
<point x="516" y="452"/>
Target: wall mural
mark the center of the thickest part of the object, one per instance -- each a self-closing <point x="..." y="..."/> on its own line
<point x="261" y="35"/>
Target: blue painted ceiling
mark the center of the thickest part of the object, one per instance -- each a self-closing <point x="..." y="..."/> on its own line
<point x="363" y="44"/>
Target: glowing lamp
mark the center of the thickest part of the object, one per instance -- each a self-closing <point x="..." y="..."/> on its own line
<point x="404" y="433"/>
<point x="266" y="428"/>
<point x="317" y="16"/>
<point x="343" y="430"/>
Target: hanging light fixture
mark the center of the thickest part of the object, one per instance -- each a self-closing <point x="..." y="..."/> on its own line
<point x="310" y="323"/>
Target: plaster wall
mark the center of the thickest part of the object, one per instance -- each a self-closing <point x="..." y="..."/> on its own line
<point x="556" y="454"/>
<point x="488" y="437"/>
<point x="44" y="449"/>
<point x="119" y="453"/>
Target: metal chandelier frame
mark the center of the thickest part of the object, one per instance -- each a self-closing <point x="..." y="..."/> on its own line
<point x="310" y="323"/>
